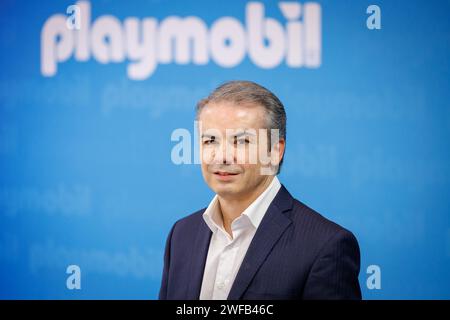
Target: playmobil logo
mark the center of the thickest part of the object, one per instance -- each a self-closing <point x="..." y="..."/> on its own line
<point x="147" y="42"/>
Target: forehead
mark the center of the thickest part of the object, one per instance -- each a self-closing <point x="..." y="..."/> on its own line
<point x="229" y="115"/>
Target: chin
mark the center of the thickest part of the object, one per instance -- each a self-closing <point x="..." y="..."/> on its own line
<point x="225" y="190"/>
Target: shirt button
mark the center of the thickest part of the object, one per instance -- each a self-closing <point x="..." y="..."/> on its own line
<point x="220" y="285"/>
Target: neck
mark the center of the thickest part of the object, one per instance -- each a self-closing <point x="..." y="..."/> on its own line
<point x="232" y="207"/>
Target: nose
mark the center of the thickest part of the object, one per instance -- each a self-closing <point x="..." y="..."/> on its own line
<point x="224" y="154"/>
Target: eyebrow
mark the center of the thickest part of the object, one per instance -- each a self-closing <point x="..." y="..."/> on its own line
<point x="243" y="133"/>
<point x="208" y="136"/>
<point x="237" y="135"/>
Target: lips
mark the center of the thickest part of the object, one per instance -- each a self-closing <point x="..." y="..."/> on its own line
<point x="225" y="176"/>
<point x="224" y="173"/>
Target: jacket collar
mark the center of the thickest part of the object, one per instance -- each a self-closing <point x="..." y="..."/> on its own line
<point x="269" y="231"/>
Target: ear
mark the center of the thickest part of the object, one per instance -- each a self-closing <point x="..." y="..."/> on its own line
<point x="277" y="152"/>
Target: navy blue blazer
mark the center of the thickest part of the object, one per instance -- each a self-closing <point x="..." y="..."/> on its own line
<point x="295" y="254"/>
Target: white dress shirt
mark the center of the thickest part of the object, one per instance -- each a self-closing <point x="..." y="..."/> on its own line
<point x="226" y="253"/>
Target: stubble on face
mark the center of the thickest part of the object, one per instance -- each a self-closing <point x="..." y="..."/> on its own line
<point x="226" y="176"/>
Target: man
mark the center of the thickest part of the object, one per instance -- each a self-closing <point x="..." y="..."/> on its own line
<point x="254" y="240"/>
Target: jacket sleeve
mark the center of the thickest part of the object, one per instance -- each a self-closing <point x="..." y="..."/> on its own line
<point x="334" y="273"/>
<point x="165" y="274"/>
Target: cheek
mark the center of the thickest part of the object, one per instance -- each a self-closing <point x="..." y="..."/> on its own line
<point x="257" y="173"/>
<point x="250" y="172"/>
<point x="207" y="154"/>
<point x="205" y="171"/>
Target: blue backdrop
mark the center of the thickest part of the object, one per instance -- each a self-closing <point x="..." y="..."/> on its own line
<point x="86" y="176"/>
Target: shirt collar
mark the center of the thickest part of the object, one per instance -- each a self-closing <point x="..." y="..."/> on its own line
<point x="255" y="211"/>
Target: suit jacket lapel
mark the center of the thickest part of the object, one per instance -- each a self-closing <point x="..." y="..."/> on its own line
<point x="198" y="261"/>
<point x="269" y="231"/>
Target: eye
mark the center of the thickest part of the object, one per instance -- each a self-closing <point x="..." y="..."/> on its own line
<point x="241" y="141"/>
<point x="209" y="141"/>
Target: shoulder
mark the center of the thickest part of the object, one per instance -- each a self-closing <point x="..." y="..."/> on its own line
<point x="316" y="230"/>
<point x="190" y="223"/>
<point x="301" y="213"/>
<point x="305" y="219"/>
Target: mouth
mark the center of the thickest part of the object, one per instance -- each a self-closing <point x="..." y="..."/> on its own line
<point x="224" y="175"/>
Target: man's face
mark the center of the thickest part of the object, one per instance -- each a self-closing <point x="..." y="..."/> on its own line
<point x="230" y="148"/>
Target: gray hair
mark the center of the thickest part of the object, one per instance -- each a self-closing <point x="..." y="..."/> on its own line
<point x="247" y="92"/>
